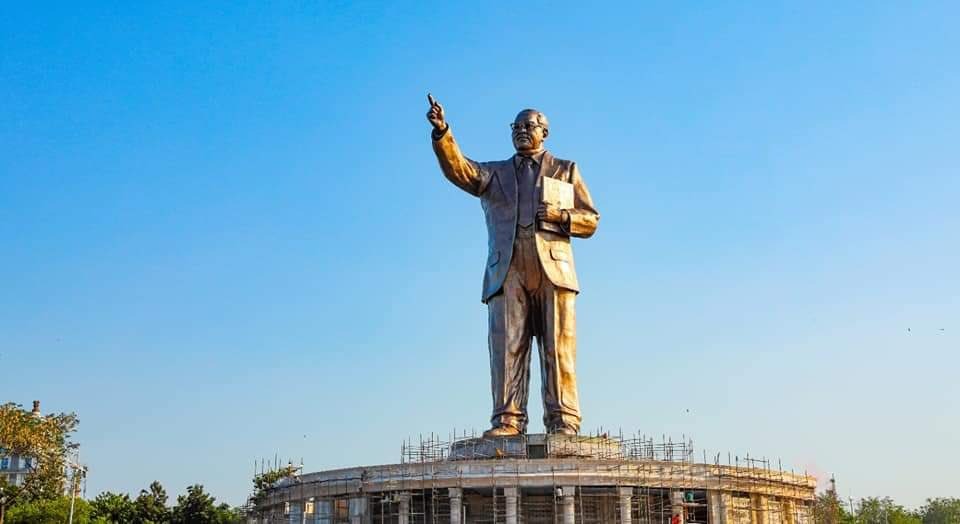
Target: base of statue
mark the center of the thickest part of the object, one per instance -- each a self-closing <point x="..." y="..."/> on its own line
<point x="535" y="446"/>
<point x="543" y="479"/>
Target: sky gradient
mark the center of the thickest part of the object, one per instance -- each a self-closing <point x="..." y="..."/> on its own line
<point x="224" y="234"/>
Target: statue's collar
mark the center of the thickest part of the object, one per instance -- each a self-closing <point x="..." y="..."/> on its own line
<point x="536" y="156"/>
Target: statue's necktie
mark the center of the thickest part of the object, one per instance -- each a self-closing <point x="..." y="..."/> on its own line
<point x="526" y="185"/>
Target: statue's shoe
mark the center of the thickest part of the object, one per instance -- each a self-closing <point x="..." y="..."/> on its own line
<point x="501" y="431"/>
<point x="562" y="430"/>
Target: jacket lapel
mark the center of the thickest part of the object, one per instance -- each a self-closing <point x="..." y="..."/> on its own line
<point x="548" y="165"/>
<point x="509" y="182"/>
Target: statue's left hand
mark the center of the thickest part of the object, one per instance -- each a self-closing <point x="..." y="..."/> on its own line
<point x="550" y="213"/>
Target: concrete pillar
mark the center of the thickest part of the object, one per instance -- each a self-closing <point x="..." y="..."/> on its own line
<point x="625" y="495"/>
<point x="358" y="510"/>
<point x="789" y="512"/>
<point x="404" y="508"/>
<point x="324" y="509"/>
<point x="568" y="505"/>
<point x="511" y="496"/>
<point x="728" y="505"/>
<point x="456" y="505"/>
<point x="676" y="506"/>
<point x="713" y="513"/>
<point x="715" y="508"/>
<point x="295" y="513"/>
<point x="758" y="509"/>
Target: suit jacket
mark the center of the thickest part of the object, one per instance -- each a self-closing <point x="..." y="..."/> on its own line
<point x="496" y="185"/>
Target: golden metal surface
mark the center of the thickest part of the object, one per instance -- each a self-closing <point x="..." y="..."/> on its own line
<point x="530" y="281"/>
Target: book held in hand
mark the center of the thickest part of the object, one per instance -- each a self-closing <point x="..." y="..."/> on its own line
<point x="559" y="194"/>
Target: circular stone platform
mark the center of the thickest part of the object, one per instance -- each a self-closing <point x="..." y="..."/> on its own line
<point x="544" y="479"/>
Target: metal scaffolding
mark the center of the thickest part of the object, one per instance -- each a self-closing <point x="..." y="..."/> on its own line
<point x="654" y="482"/>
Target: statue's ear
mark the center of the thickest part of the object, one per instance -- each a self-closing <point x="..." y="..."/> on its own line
<point x="546" y="133"/>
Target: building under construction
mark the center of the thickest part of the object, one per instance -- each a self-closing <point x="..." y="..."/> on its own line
<point x="545" y="479"/>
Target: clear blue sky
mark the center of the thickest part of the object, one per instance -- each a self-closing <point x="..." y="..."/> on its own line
<point x="224" y="234"/>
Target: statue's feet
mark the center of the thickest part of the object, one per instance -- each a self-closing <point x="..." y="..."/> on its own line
<point x="562" y="430"/>
<point x="501" y="431"/>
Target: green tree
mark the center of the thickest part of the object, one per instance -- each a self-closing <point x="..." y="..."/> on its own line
<point x="940" y="511"/>
<point x="874" y="510"/>
<point x="113" y="507"/>
<point x="46" y="440"/>
<point x="828" y="509"/>
<point x="52" y="511"/>
<point x="151" y="505"/>
<point x="194" y="507"/>
<point x="197" y="507"/>
<point x="264" y="481"/>
<point x="227" y="515"/>
<point x="9" y="495"/>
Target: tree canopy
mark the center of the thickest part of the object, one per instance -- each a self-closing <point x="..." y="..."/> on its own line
<point x="151" y="505"/>
<point x="884" y="511"/>
<point x="46" y="441"/>
<point x="52" y="511"/>
<point x="198" y="507"/>
<point x="940" y="511"/>
<point x="264" y="481"/>
<point x="114" y="507"/>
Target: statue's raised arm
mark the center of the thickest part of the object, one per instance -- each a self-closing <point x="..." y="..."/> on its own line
<point x="466" y="174"/>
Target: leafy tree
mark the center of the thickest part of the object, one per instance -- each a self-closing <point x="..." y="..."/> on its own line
<point x="46" y="440"/>
<point x="228" y="515"/>
<point x="827" y="509"/>
<point x="194" y="507"/>
<point x="940" y="511"/>
<point x="151" y="505"/>
<point x="9" y="495"/>
<point x="197" y="507"/>
<point x="113" y="507"/>
<point x="875" y="510"/>
<point x="264" y="481"/>
<point x="52" y="511"/>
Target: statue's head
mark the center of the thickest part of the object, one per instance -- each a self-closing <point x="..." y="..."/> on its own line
<point x="530" y="130"/>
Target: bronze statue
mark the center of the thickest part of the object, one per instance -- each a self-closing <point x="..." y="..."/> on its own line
<point x="530" y="283"/>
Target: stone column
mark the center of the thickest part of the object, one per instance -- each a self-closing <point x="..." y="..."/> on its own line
<point x="758" y="509"/>
<point x="456" y="505"/>
<point x="404" y="508"/>
<point x="324" y="509"/>
<point x="510" y="495"/>
<point x="789" y="512"/>
<point x="358" y="510"/>
<point x="626" y="504"/>
<point x="568" y="512"/>
<point x="676" y="505"/>
<point x="715" y="508"/>
<point x="295" y="514"/>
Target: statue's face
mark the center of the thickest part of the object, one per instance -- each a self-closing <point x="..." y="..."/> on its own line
<point x="528" y="134"/>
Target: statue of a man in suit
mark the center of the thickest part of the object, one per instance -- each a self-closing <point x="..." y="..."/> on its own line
<point x="530" y="282"/>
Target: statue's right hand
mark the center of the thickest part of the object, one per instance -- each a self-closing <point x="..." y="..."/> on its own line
<point x="435" y="114"/>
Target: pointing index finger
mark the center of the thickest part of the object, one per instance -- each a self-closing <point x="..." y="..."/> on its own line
<point x="433" y="101"/>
